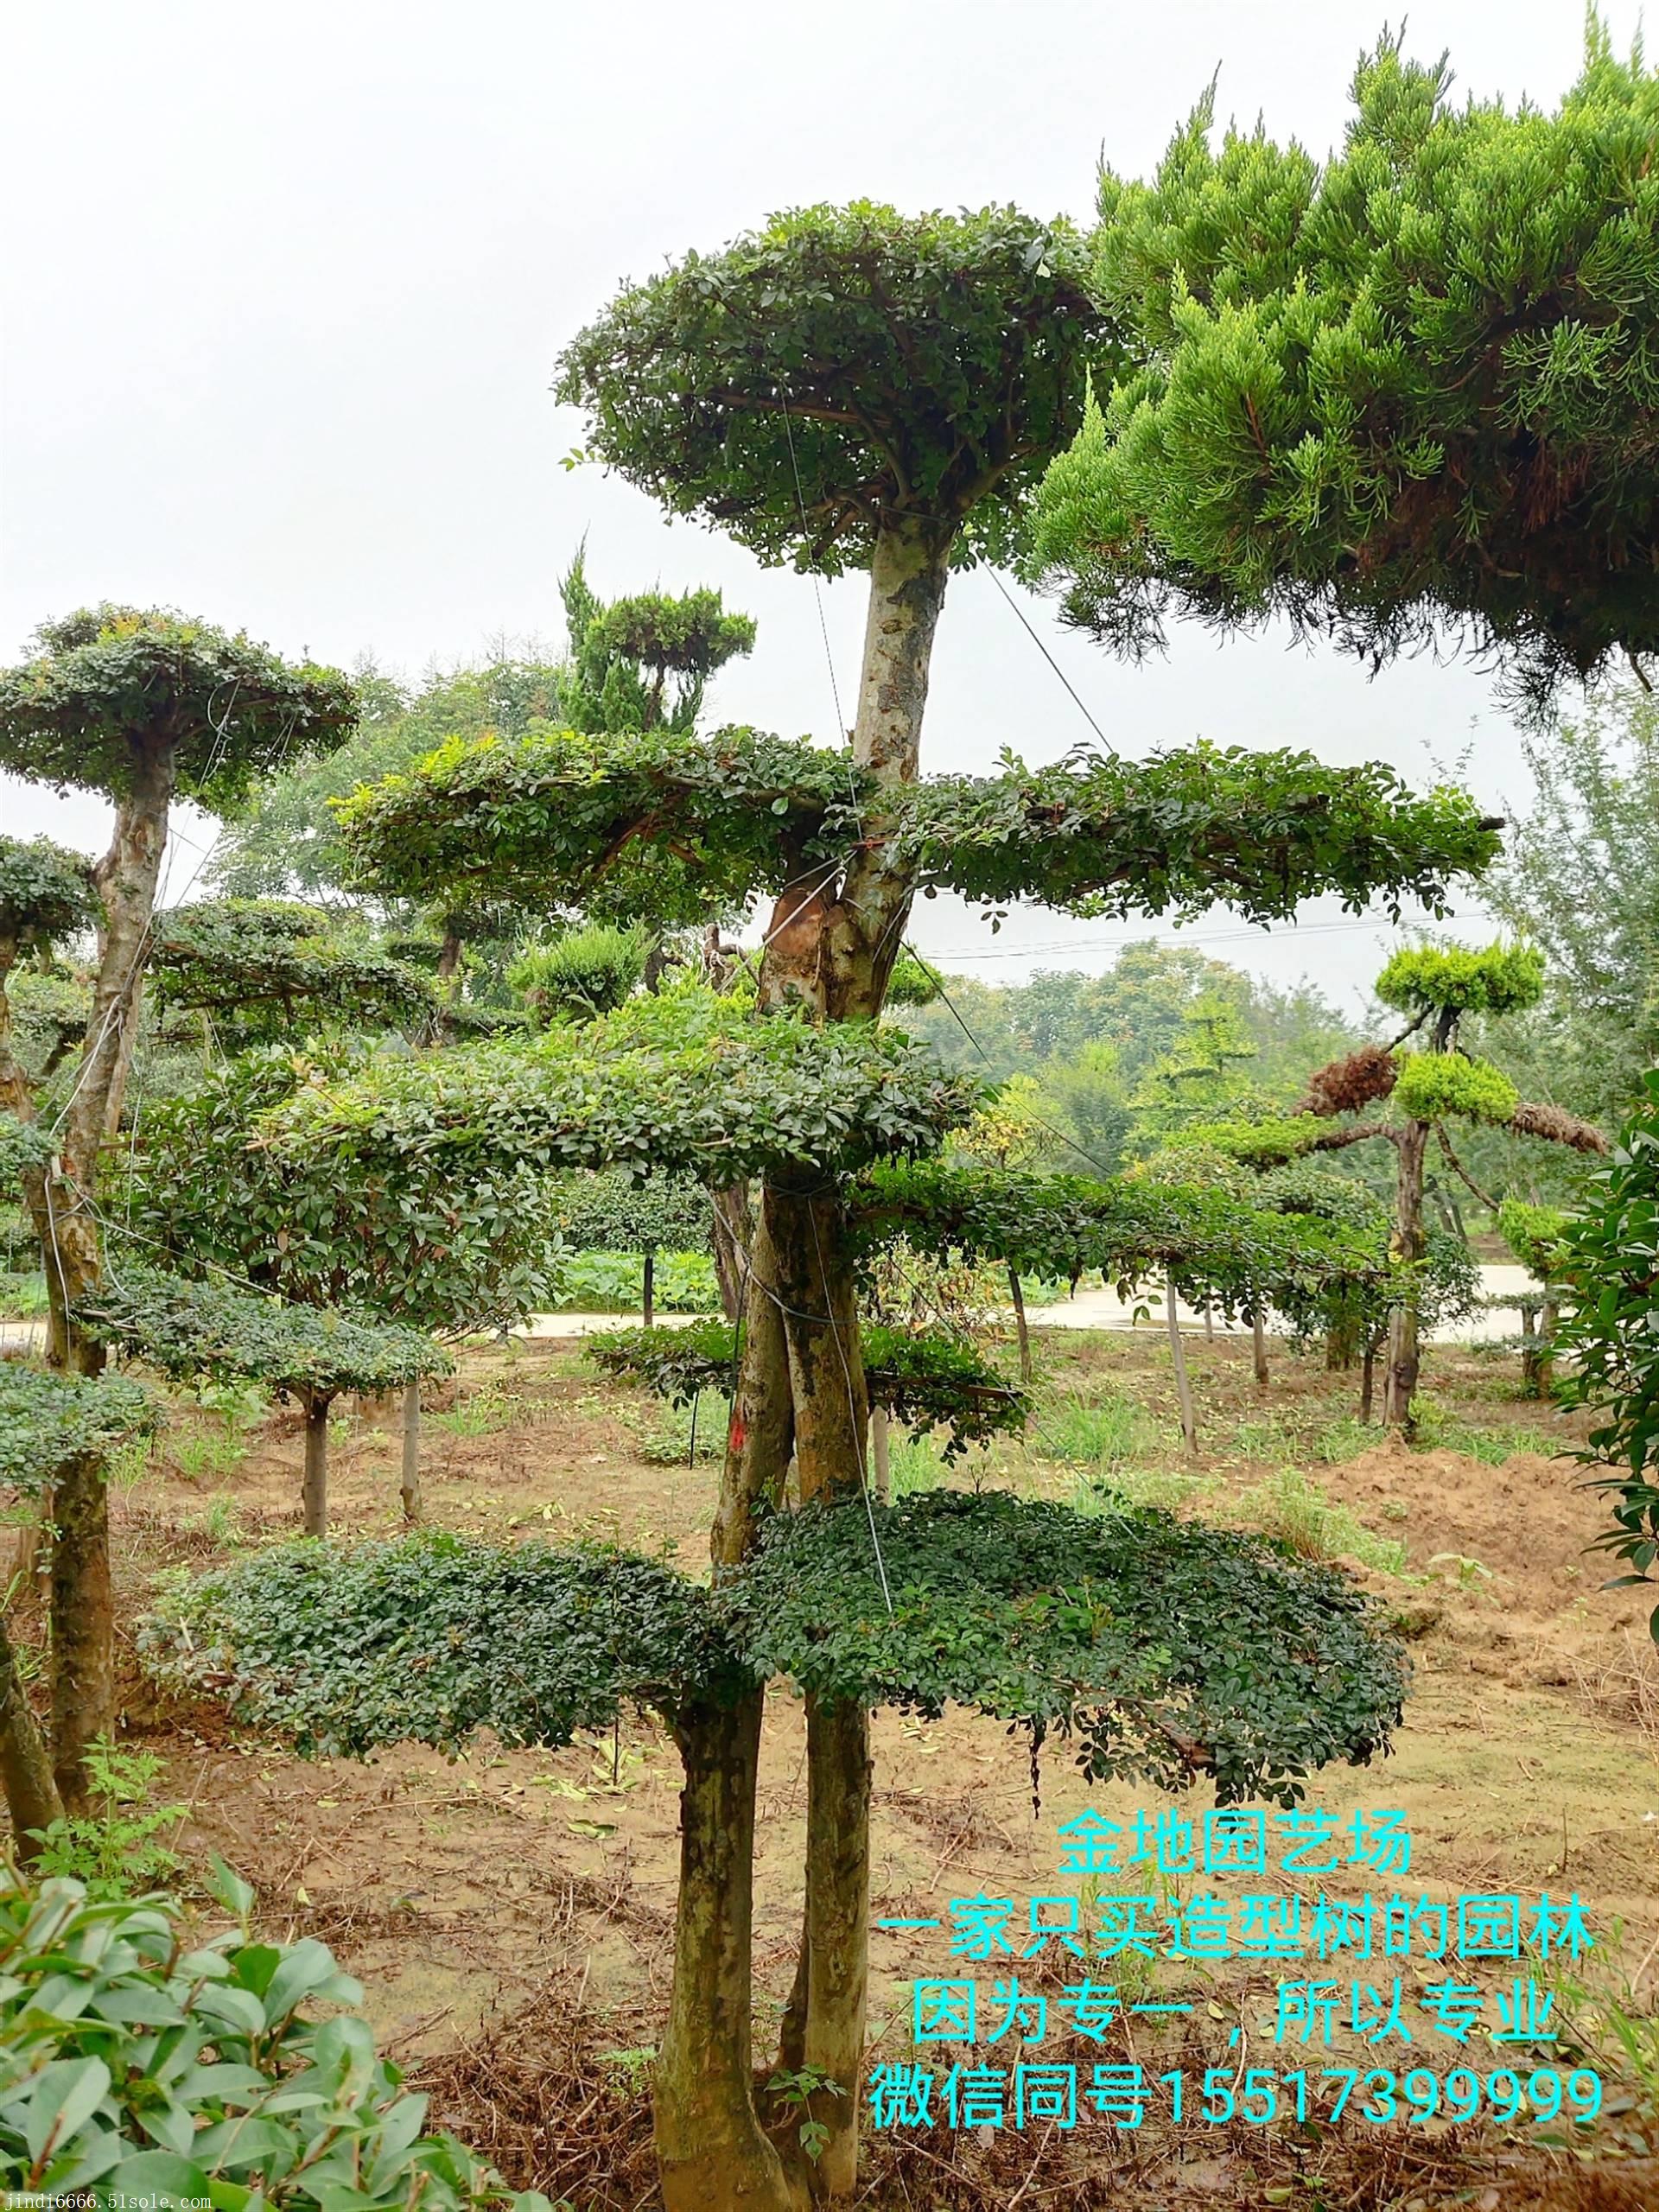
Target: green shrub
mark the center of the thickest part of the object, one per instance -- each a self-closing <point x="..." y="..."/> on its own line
<point x="1434" y="1084"/>
<point x="137" y="2063"/>
<point x="1496" y="979"/>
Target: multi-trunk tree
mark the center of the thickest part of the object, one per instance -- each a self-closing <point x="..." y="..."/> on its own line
<point x="140" y="708"/>
<point x="847" y="387"/>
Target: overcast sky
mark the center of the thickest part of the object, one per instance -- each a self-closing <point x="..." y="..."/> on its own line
<point x="284" y="285"/>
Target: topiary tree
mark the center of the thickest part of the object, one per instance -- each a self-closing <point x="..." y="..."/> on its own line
<point x="1403" y="393"/>
<point x="849" y="388"/>
<point x="443" y="1254"/>
<point x="584" y="972"/>
<point x="1427" y="1088"/>
<point x="615" y="1212"/>
<point x="139" y="707"/>
<point x="202" y="1330"/>
<point x="1536" y="1235"/>
<point x="260" y="968"/>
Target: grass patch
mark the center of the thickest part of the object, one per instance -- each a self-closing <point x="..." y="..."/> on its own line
<point x="1163" y="1487"/>
<point x="1103" y="1433"/>
<point x="1437" y="1430"/>
<point x="1291" y="1507"/>
<point x="484" y="1412"/>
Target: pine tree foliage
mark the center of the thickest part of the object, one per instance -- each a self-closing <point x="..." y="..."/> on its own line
<point x="1411" y="389"/>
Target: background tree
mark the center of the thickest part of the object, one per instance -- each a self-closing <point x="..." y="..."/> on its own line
<point x="425" y="1250"/>
<point x="1405" y="391"/>
<point x="1579" y="879"/>
<point x="264" y="968"/>
<point x="139" y="707"/>
<point x="202" y="1330"/>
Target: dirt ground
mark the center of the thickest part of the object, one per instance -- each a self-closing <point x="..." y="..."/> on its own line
<point x="511" y="1913"/>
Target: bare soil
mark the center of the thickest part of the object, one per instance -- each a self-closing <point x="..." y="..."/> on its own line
<point x="511" y="1913"/>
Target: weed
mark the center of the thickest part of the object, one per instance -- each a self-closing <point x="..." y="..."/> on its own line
<point x="665" y="1433"/>
<point x="1104" y="1433"/>
<point x="1164" y="1488"/>
<point x="205" y="1454"/>
<point x="914" y="1464"/>
<point x="115" y="1851"/>
<point x="1288" y="1505"/>
<point x="1439" y="1430"/>
<point x="483" y="1411"/>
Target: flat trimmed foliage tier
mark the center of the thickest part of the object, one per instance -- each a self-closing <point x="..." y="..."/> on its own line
<point x="1167" y="1650"/>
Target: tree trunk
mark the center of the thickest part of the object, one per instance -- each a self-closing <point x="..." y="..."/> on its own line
<point x="83" y="1623"/>
<point x="839" y="1774"/>
<point x="1259" y="1347"/>
<point x="1021" y="1327"/>
<point x="881" y="1454"/>
<point x="314" y="1493"/>
<point x="714" y="2153"/>
<point x="649" y="1296"/>
<point x="1547" y="1321"/>
<point x="410" y="1487"/>
<point x="1367" y="1380"/>
<point x="1183" y="1380"/>
<point x="31" y="1793"/>
<point x="1342" y="1344"/>
<point x="1410" y="1243"/>
<point x="449" y="972"/>
<point x="733" y="1229"/>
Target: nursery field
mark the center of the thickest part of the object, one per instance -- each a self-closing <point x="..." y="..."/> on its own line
<point x="511" y="1913"/>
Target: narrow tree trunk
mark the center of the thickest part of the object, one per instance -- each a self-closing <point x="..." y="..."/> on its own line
<point x="1367" y="1380"/>
<point x="1021" y="1327"/>
<point x="83" y="1623"/>
<point x="31" y="1793"/>
<point x="1410" y="1243"/>
<point x="1209" y="1322"/>
<point x="715" y="2156"/>
<point x="410" y="1487"/>
<point x="732" y="1230"/>
<point x="1183" y="1380"/>
<point x="448" y="971"/>
<point x="314" y="1493"/>
<point x="880" y="1454"/>
<point x="1259" y="1347"/>
<point x="1547" y="1321"/>
<point x="649" y="1297"/>
<point x="839" y="1774"/>
<point x="1341" y="1345"/>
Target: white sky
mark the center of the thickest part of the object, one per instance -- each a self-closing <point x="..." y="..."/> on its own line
<point x="284" y="285"/>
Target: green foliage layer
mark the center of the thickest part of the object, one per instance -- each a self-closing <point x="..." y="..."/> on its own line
<point x="196" y="1330"/>
<point x="264" y="965"/>
<point x="48" y="1419"/>
<point x="1434" y="1084"/>
<point x="1169" y="1650"/>
<point x="555" y="814"/>
<point x="430" y="1639"/>
<point x="113" y="690"/>
<point x="46" y="892"/>
<point x="1451" y="979"/>
<point x="429" y="1246"/>
<point x="686" y="1084"/>
<point x="841" y="370"/>
<point x="925" y="1381"/>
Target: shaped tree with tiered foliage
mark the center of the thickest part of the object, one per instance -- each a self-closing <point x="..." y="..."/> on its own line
<point x="844" y="389"/>
<point x="140" y="708"/>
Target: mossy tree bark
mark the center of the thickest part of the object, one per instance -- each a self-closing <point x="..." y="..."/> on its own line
<point x="83" y="1623"/>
